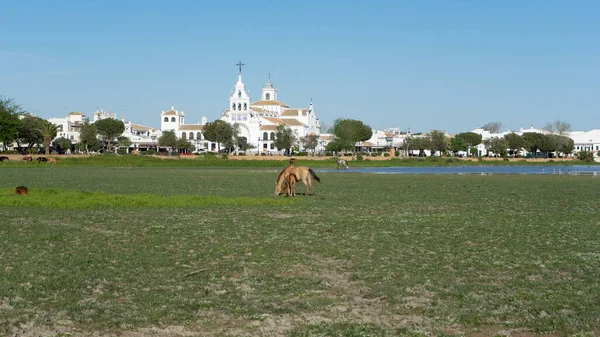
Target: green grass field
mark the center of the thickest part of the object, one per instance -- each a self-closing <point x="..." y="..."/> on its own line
<point x="208" y="251"/>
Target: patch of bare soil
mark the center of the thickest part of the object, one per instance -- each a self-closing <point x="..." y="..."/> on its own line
<point x="278" y="215"/>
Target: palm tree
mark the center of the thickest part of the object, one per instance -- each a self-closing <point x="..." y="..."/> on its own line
<point x="49" y="131"/>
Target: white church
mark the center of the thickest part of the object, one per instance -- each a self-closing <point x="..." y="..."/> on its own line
<point x="258" y="120"/>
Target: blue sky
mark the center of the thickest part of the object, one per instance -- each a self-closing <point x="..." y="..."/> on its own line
<point x="447" y="65"/>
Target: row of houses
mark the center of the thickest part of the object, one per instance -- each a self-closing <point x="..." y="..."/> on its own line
<point x="258" y="122"/>
<point x="263" y="131"/>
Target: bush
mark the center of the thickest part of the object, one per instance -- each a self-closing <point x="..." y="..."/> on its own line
<point x="301" y="154"/>
<point x="386" y="154"/>
<point x="585" y="156"/>
<point x="397" y="153"/>
<point x="359" y="157"/>
<point x="208" y="155"/>
<point x="328" y="153"/>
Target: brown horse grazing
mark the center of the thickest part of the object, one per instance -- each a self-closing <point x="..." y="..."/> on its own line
<point x="42" y="160"/>
<point x="21" y="190"/>
<point x="302" y="173"/>
<point x="3" y="158"/>
<point x="28" y="158"/>
<point x="52" y="160"/>
<point x="291" y="185"/>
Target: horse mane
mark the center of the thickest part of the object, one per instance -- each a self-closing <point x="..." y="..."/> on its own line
<point x="281" y="176"/>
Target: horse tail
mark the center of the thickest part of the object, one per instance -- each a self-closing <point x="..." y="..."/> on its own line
<point x="314" y="175"/>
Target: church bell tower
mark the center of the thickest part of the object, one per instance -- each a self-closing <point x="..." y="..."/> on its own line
<point x="269" y="93"/>
<point x="239" y="101"/>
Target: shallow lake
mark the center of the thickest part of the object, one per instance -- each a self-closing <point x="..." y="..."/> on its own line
<point x="546" y="169"/>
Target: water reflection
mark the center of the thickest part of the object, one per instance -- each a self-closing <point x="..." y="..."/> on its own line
<point x="558" y="169"/>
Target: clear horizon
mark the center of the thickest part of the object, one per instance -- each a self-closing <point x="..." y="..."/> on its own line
<point x="443" y="65"/>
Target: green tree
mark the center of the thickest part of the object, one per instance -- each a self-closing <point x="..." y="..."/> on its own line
<point x="467" y="140"/>
<point x="220" y="132"/>
<point x="335" y="145"/>
<point x="350" y="131"/>
<point x="62" y="144"/>
<point x="471" y="138"/>
<point x="28" y="131"/>
<point x="9" y="120"/>
<point x="88" y="137"/>
<point x="310" y="142"/>
<point x="515" y="142"/>
<point x="168" y="139"/>
<point x="492" y="127"/>
<point x="546" y="144"/>
<point x="48" y="131"/>
<point x="284" y="138"/>
<point x="532" y="141"/>
<point x="184" y="145"/>
<point x="418" y="143"/>
<point x="564" y="144"/>
<point x="458" y="144"/>
<point x="438" y="142"/>
<point x="497" y="145"/>
<point x="124" y="142"/>
<point x="109" y="129"/>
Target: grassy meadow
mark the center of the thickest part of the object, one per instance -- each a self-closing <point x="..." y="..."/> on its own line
<point x="208" y="251"/>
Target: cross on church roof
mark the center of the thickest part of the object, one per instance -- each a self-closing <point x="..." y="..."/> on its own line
<point x="240" y="64"/>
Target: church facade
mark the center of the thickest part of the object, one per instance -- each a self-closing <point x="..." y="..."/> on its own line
<point x="258" y="120"/>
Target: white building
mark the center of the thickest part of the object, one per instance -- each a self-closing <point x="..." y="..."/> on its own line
<point x="68" y="127"/>
<point x="259" y="120"/>
<point x="583" y="140"/>
<point x="141" y="136"/>
<point x="586" y="141"/>
<point x="174" y="120"/>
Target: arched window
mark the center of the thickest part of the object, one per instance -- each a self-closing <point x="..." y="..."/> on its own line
<point x="272" y="135"/>
<point x="172" y="119"/>
<point x="183" y="135"/>
<point x="267" y="96"/>
<point x="166" y="119"/>
<point x="239" y="94"/>
<point x="233" y="106"/>
<point x="198" y="135"/>
<point x="239" y="106"/>
<point x="191" y="135"/>
<point x="265" y="136"/>
<point x="245" y="106"/>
